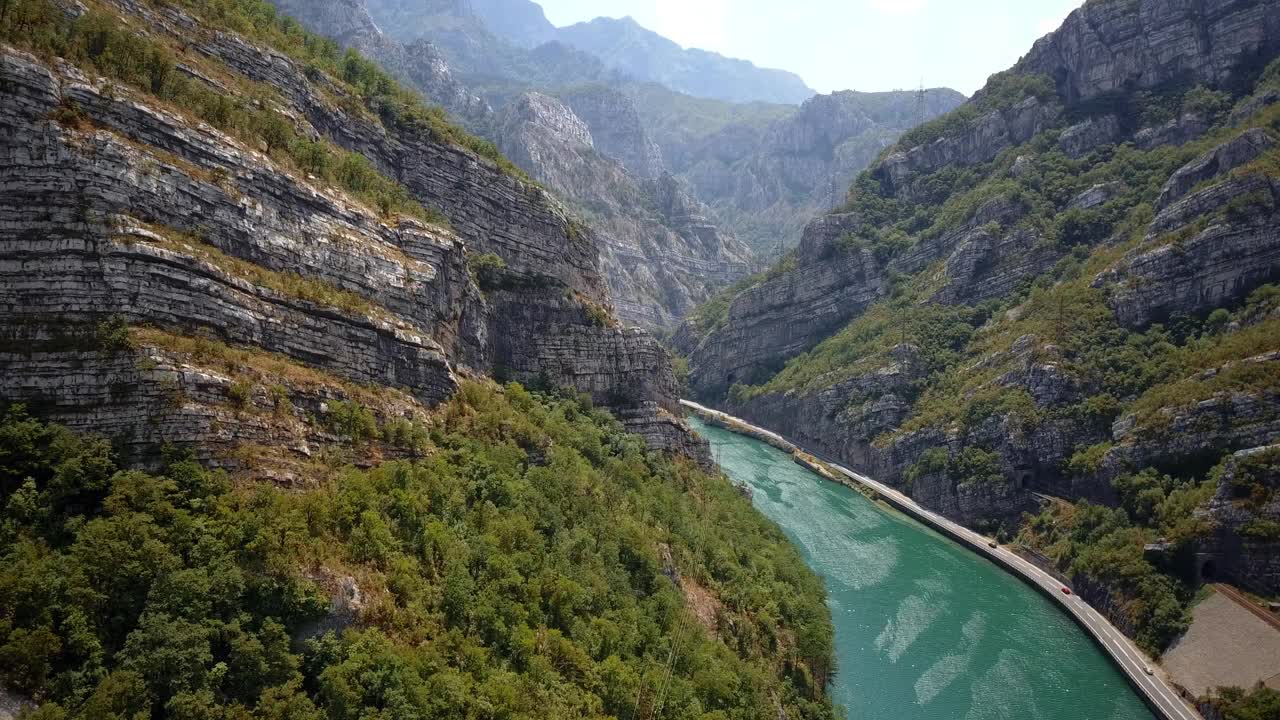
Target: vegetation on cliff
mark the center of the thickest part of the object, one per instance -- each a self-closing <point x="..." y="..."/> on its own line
<point x="964" y="358"/>
<point x="100" y="40"/>
<point x="532" y="565"/>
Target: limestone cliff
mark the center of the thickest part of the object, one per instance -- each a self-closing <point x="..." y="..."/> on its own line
<point x="768" y="179"/>
<point x="1114" y="47"/>
<point x="172" y="283"/>
<point x="661" y="254"/>
<point x="981" y="286"/>
<point x="1245" y="515"/>
<point x="418" y="63"/>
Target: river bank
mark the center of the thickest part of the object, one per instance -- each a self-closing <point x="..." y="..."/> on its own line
<point x="1131" y="662"/>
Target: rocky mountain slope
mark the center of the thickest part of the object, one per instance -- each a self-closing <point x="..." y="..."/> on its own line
<point x="477" y="32"/>
<point x="663" y="254"/>
<point x="497" y="67"/>
<point x="254" y="298"/>
<point x="767" y="178"/>
<point x="1061" y="287"/>
<point x="417" y="63"/>
<point x="761" y="165"/>
<point x="522" y="22"/>
<point x="284" y="226"/>
<point x="758" y="169"/>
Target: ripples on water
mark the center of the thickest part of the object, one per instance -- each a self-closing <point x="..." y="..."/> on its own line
<point x="925" y="630"/>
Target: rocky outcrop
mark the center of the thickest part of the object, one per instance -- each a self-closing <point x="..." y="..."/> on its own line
<point x="662" y="428"/>
<point x="1245" y="148"/>
<point x="534" y="131"/>
<point x="767" y="180"/>
<point x="247" y="415"/>
<point x="1205" y="248"/>
<point x="844" y="419"/>
<point x="418" y="63"/>
<point x="978" y="142"/>
<point x="976" y="503"/>
<point x="1245" y="516"/>
<point x="617" y="129"/>
<point x="1081" y="139"/>
<point x="1180" y="130"/>
<point x="787" y="314"/>
<point x="1112" y="47"/>
<point x="1198" y="427"/>
<point x="661" y="253"/>
<point x="123" y="209"/>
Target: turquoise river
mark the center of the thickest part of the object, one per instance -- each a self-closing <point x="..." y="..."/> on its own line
<point x="926" y="630"/>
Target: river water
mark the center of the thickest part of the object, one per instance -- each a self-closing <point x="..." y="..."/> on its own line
<point x="924" y="629"/>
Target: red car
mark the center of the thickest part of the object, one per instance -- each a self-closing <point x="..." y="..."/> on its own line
<point x="1066" y="591"/>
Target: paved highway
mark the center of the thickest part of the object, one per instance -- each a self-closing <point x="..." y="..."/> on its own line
<point x="1131" y="661"/>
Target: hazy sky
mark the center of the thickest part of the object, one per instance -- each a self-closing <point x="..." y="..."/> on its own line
<point x="848" y="44"/>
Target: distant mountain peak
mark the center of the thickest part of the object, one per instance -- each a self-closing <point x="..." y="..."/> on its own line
<point x="629" y="47"/>
<point x="626" y="46"/>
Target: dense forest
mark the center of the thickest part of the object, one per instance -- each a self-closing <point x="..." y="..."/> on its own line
<point x="537" y="563"/>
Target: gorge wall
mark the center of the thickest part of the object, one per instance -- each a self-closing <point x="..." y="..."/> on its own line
<point x="170" y="283"/>
<point x="662" y="252"/>
<point x="958" y="326"/>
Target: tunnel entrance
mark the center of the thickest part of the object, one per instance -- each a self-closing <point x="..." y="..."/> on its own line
<point x="1209" y="571"/>
<point x="1024" y="480"/>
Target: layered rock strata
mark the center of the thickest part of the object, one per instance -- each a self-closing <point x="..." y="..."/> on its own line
<point x="117" y="209"/>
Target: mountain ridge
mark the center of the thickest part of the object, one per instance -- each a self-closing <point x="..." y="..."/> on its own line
<point x="1064" y="286"/>
<point x="626" y="45"/>
<point x="619" y="46"/>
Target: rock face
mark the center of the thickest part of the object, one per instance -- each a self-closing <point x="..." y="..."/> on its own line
<point x="1120" y="46"/>
<point x="1195" y="428"/>
<point x="661" y="253"/>
<point x="853" y="389"/>
<point x="785" y="315"/>
<point x="1079" y="140"/>
<point x="1178" y="131"/>
<point x="1214" y="264"/>
<point x="768" y="180"/>
<point x="976" y="143"/>
<point x="418" y="63"/>
<point x="126" y="210"/>
<point x="617" y="129"/>
<point x="835" y="280"/>
<point x="1247" y="147"/>
<point x="1245" y="514"/>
